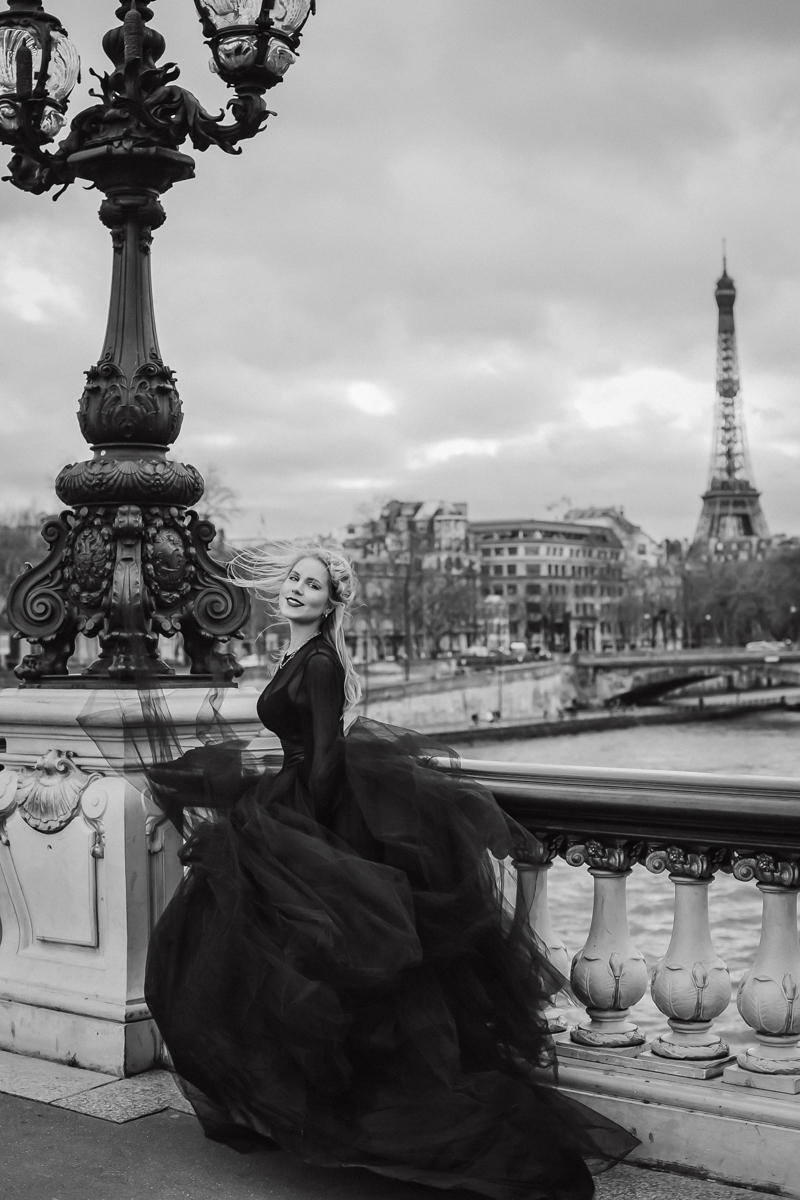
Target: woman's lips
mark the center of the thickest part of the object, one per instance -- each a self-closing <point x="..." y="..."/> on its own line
<point x="295" y="603"/>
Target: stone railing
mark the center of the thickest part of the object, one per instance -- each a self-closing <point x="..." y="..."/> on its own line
<point x="692" y="827"/>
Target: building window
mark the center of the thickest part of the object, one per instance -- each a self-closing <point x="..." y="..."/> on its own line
<point x="512" y="568"/>
<point x="533" y="589"/>
<point x="512" y="549"/>
<point x="511" y="590"/>
<point x="497" y="570"/>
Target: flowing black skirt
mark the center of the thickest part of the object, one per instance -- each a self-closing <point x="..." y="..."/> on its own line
<point x="360" y="991"/>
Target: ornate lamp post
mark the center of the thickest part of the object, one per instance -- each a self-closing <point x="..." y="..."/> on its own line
<point x="128" y="560"/>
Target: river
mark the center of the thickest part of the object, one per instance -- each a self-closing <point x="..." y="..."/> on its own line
<point x="759" y="744"/>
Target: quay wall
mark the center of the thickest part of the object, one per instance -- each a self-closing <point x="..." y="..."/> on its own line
<point x="516" y="694"/>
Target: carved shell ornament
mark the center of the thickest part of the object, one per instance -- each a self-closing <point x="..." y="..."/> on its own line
<point x="49" y="795"/>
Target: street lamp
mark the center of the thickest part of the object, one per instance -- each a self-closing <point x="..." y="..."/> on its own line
<point x="129" y="561"/>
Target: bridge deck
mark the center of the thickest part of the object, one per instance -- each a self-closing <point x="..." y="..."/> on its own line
<point x="126" y="1151"/>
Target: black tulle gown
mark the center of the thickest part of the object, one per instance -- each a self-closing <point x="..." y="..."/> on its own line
<point x="338" y="971"/>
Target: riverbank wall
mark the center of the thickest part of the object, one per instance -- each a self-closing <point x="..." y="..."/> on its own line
<point x="524" y="693"/>
<point x="598" y="722"/>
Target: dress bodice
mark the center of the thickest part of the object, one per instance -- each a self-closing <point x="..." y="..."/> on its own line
<point x="303" y="705"/>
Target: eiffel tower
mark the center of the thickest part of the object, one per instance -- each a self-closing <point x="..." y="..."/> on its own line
<point x="731" y="524"/>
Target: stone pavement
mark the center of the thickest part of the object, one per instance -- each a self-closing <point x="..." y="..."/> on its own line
<point x="67" y="1134"/>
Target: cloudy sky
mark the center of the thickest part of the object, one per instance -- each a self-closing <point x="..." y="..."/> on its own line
<point x="473" y="258"/>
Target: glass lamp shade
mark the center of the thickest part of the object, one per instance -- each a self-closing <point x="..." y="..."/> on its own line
<point x="288" y="16"/>
<point x="254" y="41"/>
<point x="65" y="67"/>
<point x="227" y="13"/>
<point x="20" y="61"/>
<point x="236" y="52"/>
<point x="20" y="78"/>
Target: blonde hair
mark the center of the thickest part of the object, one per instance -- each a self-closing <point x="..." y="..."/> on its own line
<point x="265" y="570"/>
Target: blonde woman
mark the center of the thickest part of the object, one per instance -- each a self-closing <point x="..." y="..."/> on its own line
<point x="337" y="974"/>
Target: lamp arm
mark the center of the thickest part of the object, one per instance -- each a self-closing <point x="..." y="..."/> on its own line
<point x="175" y="114"/>
<point x="31" y="168"/>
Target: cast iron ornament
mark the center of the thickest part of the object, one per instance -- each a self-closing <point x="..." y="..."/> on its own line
<point x="127" y="562"/>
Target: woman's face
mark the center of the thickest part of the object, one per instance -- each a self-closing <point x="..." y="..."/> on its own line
<point x="305" y="593"/>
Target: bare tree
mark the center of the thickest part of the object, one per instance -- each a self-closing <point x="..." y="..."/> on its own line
<point x="220" y="503"/>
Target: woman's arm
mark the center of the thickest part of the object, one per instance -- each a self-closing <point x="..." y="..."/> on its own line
<point x="322" y="696"/>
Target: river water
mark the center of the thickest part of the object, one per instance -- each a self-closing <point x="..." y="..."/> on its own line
<point x="759" y="744"/>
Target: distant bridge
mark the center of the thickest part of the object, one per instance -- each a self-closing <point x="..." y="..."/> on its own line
<point x="643" y="678"/>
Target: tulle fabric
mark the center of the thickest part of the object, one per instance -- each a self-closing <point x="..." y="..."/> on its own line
<point x="357" y="989"/>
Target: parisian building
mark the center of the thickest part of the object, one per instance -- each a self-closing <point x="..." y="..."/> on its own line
<point x="561" y="581"/>
<point x="419" y="580"/>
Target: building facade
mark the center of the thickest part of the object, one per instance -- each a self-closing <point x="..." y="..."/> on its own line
<point x="419" y="578"/>
<point x="642" y="552"/>
<point x="561" y="581"/>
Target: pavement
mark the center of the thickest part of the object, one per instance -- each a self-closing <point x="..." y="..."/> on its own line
<point x="68" y="1134"/>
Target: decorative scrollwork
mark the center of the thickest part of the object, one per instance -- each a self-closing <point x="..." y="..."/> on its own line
<point x="765" y="868"/>
<point x="35" y="601"/>
<point x="156" y="827"/>
<point x="534" y="851"/>
<point x="601" y="856"/>
<point x="8" y="801"/>
<point x="217" y="609"/>
<point x="38" y="609"/>
<point x="93" y="805"/>
<point x="687" y="864"/>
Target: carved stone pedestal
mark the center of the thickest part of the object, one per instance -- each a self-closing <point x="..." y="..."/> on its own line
<point x="769" y="996"/>
<point x="86" y="868"/>
<point x="609" y="974"/>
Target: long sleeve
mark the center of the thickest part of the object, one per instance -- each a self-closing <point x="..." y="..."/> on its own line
<point x="321" y="695"/>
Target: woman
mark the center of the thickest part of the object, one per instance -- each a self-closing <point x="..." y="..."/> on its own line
<point x="338" y="972"/>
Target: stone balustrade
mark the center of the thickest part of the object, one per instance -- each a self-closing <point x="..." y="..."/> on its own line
<point x="692" y="827"/>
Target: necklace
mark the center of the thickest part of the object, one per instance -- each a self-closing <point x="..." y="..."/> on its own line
<point x="288" y="654"/>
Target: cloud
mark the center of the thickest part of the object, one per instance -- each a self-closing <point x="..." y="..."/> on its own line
<point x="370" y="399"/>
<point x="35" y="283"/>
<point x="442" y="452"/>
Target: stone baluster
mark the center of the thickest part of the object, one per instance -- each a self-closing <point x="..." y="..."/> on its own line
<point x="532" y="865"/>
<point x="769" y="994"/>
<point x="609" y="975"/>
<point x="691" y="984"/>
